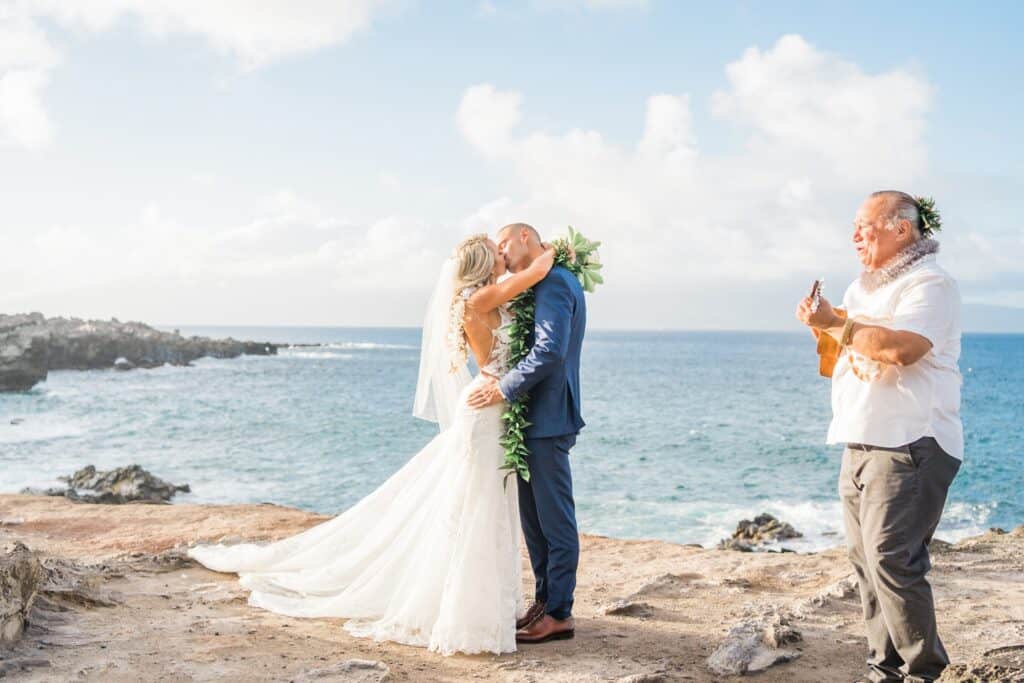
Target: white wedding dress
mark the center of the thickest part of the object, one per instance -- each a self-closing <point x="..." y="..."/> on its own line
<point x="431" y="558"/>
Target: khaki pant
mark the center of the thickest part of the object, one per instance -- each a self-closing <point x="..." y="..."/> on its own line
<point x="892" y="501"/>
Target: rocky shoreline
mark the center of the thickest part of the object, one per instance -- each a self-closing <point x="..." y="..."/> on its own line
<point x="31" y="345"/>
<point x="105" y="592"/>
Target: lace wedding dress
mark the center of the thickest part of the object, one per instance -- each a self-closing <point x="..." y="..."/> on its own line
<point x="431" y="558"/>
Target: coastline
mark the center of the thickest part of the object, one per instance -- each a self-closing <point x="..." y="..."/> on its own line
<point x="650" y="610"/>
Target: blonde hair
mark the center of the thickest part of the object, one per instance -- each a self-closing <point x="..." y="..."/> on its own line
<point x="475" y="264"/>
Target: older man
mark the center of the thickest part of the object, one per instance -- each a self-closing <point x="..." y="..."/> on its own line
<point x="896" y="406"/>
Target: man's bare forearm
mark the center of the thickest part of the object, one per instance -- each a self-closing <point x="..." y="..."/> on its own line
<point x="894" y="347"/>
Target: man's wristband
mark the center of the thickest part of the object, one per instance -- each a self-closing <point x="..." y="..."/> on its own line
<point x="847" y="336"/>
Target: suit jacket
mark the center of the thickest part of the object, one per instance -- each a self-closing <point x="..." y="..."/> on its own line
<point x="550" y="373"/>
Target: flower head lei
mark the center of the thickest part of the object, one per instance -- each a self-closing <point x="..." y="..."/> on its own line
<point x="931" y="220"/>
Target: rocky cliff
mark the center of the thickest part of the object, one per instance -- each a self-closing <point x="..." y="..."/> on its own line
<point x="31" y="345"/>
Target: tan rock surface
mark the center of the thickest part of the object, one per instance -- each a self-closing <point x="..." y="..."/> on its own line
<point x="169" y="620"/>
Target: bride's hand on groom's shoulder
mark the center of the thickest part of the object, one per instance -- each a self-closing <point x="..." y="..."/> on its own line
<point x="546" y="261"/>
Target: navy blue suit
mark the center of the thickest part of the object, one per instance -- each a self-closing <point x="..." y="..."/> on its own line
<point x="550" y="374"/>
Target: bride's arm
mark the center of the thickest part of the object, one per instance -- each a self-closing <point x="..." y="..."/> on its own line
<point x="488" y="298"/>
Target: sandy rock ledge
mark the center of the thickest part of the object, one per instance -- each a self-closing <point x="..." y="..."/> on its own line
<point x="120" y="601"/>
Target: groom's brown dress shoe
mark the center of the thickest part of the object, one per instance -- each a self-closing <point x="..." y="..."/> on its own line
<point x="535" y="612"/>
<point x="547" y="628"/>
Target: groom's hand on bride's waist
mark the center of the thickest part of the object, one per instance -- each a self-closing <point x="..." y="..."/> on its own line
<point x="488" y="394"/>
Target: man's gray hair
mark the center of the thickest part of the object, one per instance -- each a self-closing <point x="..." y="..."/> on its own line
<point x="901" y="207"/>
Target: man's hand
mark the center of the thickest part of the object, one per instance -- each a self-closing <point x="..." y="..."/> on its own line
<point x="487" y="395"/>
<point x="822" y="319"/>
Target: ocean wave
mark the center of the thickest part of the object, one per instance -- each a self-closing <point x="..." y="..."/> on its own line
<point x="708" y="522"/>
<point x="820" y="522"/>
<point x="315" y="355"/>
<point x="34" y="428"/>
<point x="368" y="346"/>
<point x="963" y="520"/>
<point x="346" y="349"/>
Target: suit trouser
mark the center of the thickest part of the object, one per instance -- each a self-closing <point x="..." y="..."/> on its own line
<point x="892" y="501"/>
<point x="548" y="515"/>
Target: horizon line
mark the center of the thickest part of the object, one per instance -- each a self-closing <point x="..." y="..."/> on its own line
<point x="775" y="330"/>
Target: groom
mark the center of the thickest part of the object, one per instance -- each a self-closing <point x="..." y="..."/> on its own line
<point x="551" y="376"/>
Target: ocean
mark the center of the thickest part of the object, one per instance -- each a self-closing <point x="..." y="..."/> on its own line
<point x="688" y="432"/>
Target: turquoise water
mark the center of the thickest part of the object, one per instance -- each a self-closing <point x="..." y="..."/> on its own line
<point x="687" y="433"/>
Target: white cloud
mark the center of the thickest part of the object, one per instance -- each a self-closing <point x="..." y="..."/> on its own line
<point x="23" y="118"/>
<point x="290" y="249"/>
<point x="390" y="181"/>
<point x="682" y="221"/>
<point x="673" y="215"/>
<point x="492" y="215"/>
<point x="486" y="117"/>
<point x="668" y="131"/>
<point x="205" y="178"/>
<point x="795" y="98"/>
<point x="254" y="32"/>
<point x="26" y="58"/>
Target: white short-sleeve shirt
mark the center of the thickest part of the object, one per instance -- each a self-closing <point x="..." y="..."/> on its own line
<point x="903" y="404"/>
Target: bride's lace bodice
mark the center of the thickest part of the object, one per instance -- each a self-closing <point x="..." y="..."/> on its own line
<point x="501" y="352"/>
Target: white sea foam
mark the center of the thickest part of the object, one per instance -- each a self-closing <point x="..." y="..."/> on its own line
<point x="330" y="351"/>
<point x="315" y="355"/>
<point x="963" y="520"/>
<point x="31" y="428"/>
<point x="707" y="522"/>
<point x="59" y="391"/>
<point x="369" y="346"/>
<point x="821" y="523"/>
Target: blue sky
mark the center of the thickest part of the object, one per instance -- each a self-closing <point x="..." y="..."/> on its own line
<point x="311" y="163"/>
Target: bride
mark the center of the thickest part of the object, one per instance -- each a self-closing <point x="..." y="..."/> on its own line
<point x="431" y="558"/>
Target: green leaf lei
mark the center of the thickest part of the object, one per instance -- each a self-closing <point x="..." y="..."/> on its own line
<point x="585" y="266"/>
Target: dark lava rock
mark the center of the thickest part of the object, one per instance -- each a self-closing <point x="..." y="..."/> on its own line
<point x="130" y="484"/>
<point x="761" y="530"/>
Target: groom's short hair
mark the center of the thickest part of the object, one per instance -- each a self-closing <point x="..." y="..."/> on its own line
<point x="519" y="227"/>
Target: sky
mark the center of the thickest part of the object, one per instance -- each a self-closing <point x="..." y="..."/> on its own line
<point x="312" y="162"/>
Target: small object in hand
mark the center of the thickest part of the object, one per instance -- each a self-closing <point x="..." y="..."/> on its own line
<point x="816" y="294"/>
